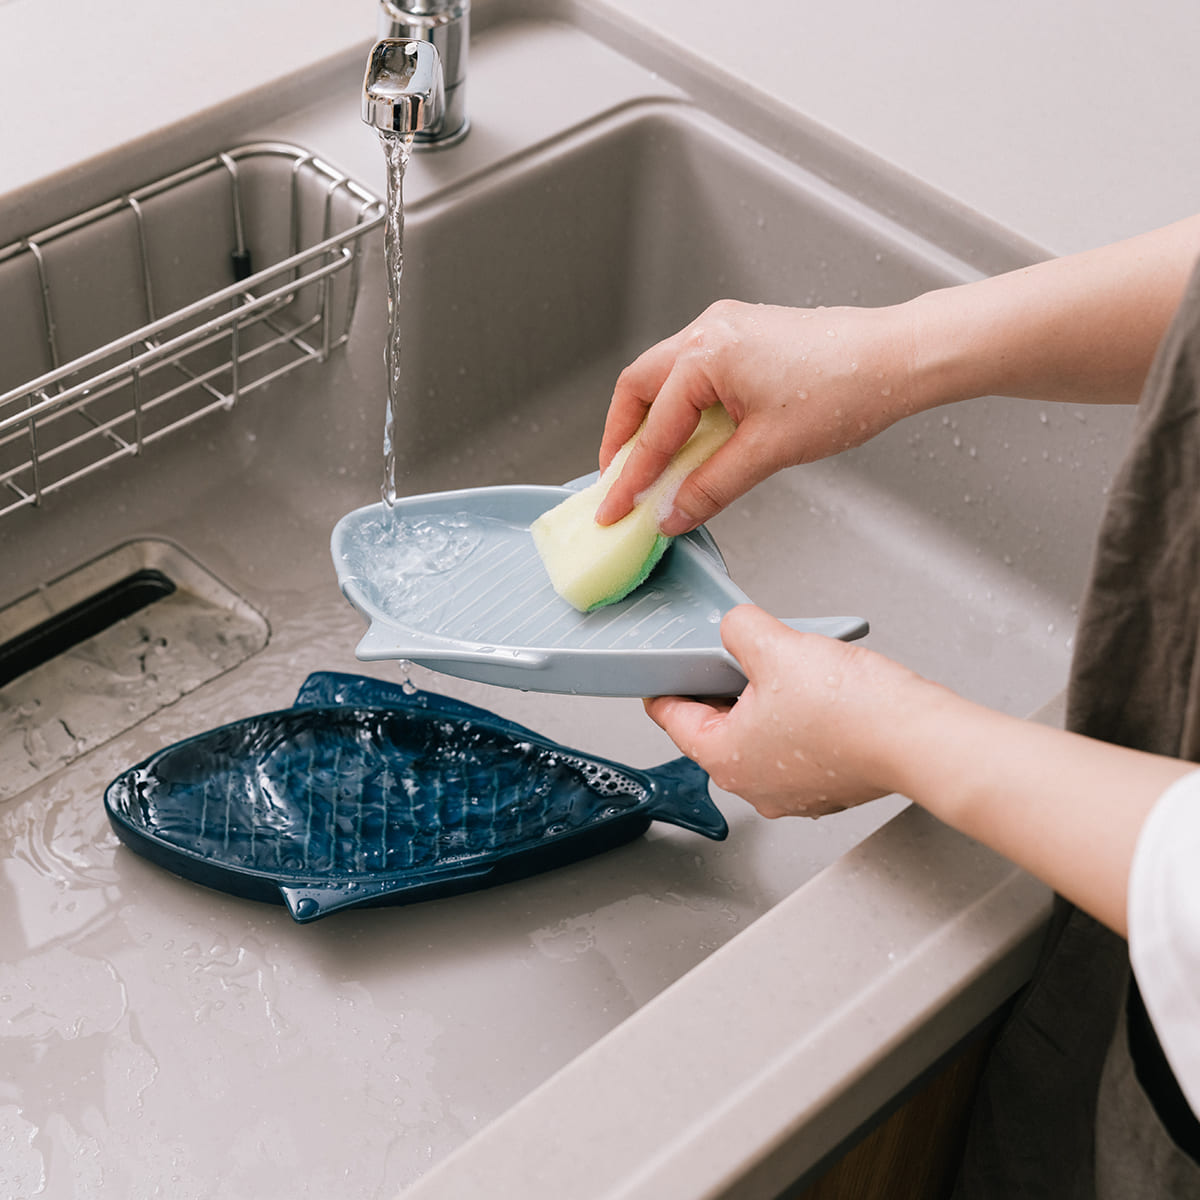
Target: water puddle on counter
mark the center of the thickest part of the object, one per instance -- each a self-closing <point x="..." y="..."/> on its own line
<point x="397" y="149"/>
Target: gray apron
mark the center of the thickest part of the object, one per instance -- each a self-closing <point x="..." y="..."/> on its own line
<point x="1077" y="1102"/>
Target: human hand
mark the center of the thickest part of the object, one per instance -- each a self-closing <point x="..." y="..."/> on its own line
<point x="822" y="726"/>
<point x="811" y="734"/>
<point x="799" y="385"/>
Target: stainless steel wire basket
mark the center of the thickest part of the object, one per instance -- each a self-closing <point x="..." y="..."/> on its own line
<point x="136" y="318"/>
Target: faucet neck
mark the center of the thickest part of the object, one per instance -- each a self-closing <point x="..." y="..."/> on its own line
<point x="422" y="8"/>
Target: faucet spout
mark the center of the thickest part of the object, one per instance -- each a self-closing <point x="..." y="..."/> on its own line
<point x="442" y="26"/>
<point x="403" y="89"/>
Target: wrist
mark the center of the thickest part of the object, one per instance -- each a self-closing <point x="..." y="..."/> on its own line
<point x="943" y="359"/>
<point x="925" y="725"/>
<point x="901" y="738"/>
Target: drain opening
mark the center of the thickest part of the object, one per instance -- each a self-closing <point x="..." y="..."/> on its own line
<point x="97" y="651"/>
<point x="83" y="620"/>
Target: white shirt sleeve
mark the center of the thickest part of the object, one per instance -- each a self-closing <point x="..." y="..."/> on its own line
<point x="1164" y="927"/>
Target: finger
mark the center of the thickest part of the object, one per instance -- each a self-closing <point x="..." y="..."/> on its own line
<point x="693" y="725"/>
<point x="672" y="419"/>
<point x="752" y="636"/>
<point x="753" y="453"/>
<point x="731" y="472"/>
<point x="667" y="428"/>
<point x="635" y="390"/>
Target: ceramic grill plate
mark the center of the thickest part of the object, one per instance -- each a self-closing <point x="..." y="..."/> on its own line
<point x="363" y="793"/>
<point x="452" y="581"/>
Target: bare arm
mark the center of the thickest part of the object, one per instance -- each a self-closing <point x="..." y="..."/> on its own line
<point x="803" y="384"/>
<point x="823" y="726"/>
<point x="1082" y="329"/>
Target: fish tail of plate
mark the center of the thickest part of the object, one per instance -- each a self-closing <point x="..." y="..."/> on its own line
<point x="681" y="798"/>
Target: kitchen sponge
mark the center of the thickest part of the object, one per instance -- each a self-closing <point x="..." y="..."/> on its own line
<point x="593" y="565"/>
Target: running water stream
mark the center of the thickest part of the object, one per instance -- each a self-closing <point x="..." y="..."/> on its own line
<point x="396" y="149"/>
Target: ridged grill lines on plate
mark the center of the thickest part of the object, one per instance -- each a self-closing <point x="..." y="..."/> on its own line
<point x="335" y="791"/>
<point x="507" y="601"/>
<point x="499" y="596"/>
<point x="386" y="779"/>
<point x="477" y="621"/>
<point x="463" y="579"/>
<point x="553" y="604"/>
<point x="633" y="630"/>
<point x="308" y="828"/>
<point x="454" y="622"/>
<point x="204" y="809"/>
<point x="641" y="634"/>
<point x="603" y="620"/>
<point x="687" y="632"/>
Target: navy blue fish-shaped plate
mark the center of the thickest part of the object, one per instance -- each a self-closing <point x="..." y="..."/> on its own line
<point x="364" y="793"/>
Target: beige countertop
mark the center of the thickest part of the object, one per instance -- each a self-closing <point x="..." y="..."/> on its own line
<point x="1066" y="125"/>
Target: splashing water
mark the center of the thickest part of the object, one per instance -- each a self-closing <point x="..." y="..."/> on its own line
<point x="397" y="148"/>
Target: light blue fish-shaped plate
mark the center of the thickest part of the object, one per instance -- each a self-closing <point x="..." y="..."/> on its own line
<point x="364" y="793"/>
<point x="452" y="581"/>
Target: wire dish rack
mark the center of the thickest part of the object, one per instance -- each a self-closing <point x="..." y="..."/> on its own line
<point x="142" y="315"/>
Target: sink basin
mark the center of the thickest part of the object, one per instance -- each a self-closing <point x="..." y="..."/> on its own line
<point x="156" y="1030"/>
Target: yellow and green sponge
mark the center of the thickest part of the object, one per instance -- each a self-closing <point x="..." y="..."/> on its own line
<point x="593" y="565"/>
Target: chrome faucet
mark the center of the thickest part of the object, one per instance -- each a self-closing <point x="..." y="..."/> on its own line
<point x="402" y="89"/>
<point x="416" y="74"/>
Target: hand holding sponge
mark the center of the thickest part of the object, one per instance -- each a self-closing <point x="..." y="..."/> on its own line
<point x="592" y="565"/>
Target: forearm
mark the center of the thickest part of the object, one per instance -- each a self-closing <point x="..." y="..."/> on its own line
<point x="1082" y="329"/>
<point x="1066" y="808"/>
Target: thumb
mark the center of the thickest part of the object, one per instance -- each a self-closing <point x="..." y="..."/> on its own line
<point x="752" y="636"/>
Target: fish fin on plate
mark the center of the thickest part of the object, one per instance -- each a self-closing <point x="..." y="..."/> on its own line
<point x="309" y="902"/>
<point x="333" y="689"/>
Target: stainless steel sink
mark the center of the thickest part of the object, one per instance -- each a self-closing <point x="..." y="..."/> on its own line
<point x="156" y="1031"/>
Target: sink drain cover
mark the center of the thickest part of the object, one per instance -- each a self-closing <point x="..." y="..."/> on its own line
<point x="94" y="653"/>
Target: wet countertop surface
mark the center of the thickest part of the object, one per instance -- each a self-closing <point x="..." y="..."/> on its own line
<point x="1062" y="127"/>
